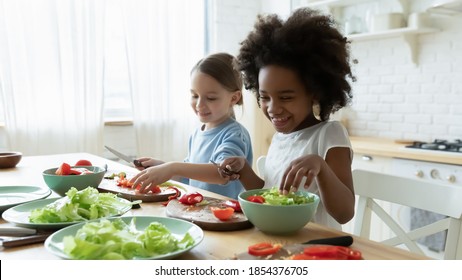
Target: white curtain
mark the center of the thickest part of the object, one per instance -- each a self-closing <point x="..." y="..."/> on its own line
<point x="51" y="74"/>
<point x="165" y="39"/>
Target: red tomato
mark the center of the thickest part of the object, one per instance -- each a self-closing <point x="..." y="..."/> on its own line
<point x="256" y="198"/>
<point x="233" y="204"/>
<point x="222" y="214"/>
<point x="63" y="169"/>
<point x="83" y="162"/>
<point x="264" y="249"/>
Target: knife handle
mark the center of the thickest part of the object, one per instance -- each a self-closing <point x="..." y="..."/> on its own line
<point x="26" y="240"/>
<point x="346" y="241"/>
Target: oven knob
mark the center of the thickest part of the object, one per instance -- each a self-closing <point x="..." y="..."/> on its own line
<point x="434" y="174"/>
<point x="419" y="173"/>
<point x="451" y="179"/>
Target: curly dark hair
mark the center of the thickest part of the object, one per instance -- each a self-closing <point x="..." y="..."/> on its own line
<point x="308" y="43"/>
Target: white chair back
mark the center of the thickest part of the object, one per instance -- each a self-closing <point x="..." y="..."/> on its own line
<point x="439" y="198"/>
<point x="261" y="165"/>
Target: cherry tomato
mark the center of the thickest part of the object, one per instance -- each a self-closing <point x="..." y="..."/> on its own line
<point x="256" y="198"/>
<point x="264" y="249"/>
<point x="222" y="214"/>
<point x="233" y="204"/>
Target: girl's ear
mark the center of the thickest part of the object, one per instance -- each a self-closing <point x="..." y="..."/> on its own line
<point x="237" y="95"/>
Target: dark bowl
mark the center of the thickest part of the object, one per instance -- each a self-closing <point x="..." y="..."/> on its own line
<point x="9" y="159"/>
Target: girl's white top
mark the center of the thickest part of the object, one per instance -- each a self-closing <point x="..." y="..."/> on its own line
<point x="317" y="139"/>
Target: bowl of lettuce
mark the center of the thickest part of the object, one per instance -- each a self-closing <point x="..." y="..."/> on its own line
<point x="135" y="237"/>
<point x="275" y="213"/>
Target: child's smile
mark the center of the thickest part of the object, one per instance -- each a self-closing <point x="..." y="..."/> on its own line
<point x="283" y="99"/>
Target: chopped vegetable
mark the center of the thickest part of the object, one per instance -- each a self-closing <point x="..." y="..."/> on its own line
<point x="63" y="169"/>
<point x="191" y="198"/>
<point x="81" y="205"/>
<point x="326" y="252"/>
<point x="233" y="204"/>
<point x="264" y="249"/>
<point x="256" y="198"/>
<point x="106" y="239"/>
<point x="274" y="197"/>
<point x="222" y="214"/>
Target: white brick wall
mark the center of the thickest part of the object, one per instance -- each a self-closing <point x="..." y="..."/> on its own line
<point x="393" y="97"/>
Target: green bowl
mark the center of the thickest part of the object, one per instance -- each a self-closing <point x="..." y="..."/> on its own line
<point x="62" y="183"/>
<point x="278" y="219"/>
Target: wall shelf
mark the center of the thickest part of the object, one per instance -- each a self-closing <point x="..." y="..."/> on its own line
<point x="408" y="34"/>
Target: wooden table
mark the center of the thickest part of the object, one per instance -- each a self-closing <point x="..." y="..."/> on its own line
<point x="215" y="246"/>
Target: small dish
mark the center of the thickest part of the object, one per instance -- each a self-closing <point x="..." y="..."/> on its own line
<point x="9" y="159"/>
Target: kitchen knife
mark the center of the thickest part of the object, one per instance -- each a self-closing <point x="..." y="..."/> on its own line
<point x="126" y="158"/>
<point x="25" y="240"/>
<point x="16" y="231"/>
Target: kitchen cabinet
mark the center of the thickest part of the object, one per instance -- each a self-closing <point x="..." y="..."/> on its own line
<point x="407" y="34"/>
<point x="371" y="163"/>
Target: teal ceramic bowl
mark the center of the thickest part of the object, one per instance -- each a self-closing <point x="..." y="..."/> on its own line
<point x="278" y="219"/>
<point x="62" y="183"/>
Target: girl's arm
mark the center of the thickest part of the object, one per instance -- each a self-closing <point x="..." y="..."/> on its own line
<point x="159" y="174"/>
<point x="333" y="177"/>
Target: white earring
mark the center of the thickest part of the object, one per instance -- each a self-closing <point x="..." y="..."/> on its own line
<point x="317" y="111"/>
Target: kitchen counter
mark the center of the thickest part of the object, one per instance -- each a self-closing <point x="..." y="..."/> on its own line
<point x="396" y="149"/>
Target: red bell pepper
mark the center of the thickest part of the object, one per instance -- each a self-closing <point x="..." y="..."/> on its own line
<point x="191" y="198"/>
<point x="233" y="204"/>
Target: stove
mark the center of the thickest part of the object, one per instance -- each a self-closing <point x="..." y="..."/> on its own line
<point x="438" y="145"/>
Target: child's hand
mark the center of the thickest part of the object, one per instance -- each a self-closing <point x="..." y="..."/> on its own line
<point x="303" y="168"/>
<point x="232" y="164"/>
<point x="151" y="177"/>
<point x="148" y="162"/>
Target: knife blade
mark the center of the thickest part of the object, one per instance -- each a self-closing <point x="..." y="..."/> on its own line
<point x="16" y="231"/>
<point x="124" y="157"/>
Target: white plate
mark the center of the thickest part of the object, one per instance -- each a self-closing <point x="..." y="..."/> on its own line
<point x="19" y="214"/>
<point x="178" y="228"/>
<point x="14" y="195"/>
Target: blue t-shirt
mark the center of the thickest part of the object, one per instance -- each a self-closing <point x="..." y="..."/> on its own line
<point x="226" y="140"/>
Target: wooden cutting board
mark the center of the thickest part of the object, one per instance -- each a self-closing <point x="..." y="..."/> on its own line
<point x="204" y="218"/>
<point x="131" y="194"/>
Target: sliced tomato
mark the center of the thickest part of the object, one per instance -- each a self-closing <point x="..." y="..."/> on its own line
<point x="233" y="204"/>
<point x="264" y="249"/>
<point x="191" y="198"/>
<point x="63" y="169"/>
<point x="83" y="162"/>
<point x="256" y="198"/>
<point x="222" y="214"/>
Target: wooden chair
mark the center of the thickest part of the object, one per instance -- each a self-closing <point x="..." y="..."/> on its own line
<point x="261" y="165"/>
<point x="440" y="198"/>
